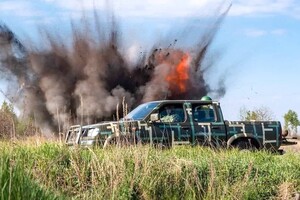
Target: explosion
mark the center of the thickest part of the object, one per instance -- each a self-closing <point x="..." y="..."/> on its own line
<point x="177" y="78"/>
<point x="83" y="81"/>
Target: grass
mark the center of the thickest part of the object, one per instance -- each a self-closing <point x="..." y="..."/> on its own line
<point x="15" y="182"/>
<point x="53" y="171"/>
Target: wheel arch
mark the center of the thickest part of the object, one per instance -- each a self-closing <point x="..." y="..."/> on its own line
<point x="108" y="139"/>
<point x="242" y="137"/>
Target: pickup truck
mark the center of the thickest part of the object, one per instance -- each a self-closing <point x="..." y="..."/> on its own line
<point x="167" y="123"/>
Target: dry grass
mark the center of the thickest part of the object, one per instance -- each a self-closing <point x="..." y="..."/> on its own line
<point x="285" y="191"/>
<point x="146" y="173"/>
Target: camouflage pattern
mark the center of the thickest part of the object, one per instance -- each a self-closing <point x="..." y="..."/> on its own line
<point x="199" y="123"/>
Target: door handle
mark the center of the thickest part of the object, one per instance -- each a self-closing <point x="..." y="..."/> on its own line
<point x="216" y="128"/>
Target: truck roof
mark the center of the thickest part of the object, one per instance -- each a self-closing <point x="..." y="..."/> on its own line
<point x="183" y="101"/>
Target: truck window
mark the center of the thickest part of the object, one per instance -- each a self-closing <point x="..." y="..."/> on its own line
<point x="203" y="113"/>
<point x="141" y="111"/>
<point x="172" y="113"/>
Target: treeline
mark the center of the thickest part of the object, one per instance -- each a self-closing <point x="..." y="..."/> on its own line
<point x="291" y="121"/>
<point x="13" y="126"/>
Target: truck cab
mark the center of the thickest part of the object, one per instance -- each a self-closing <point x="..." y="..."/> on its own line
<point x="188" y="122"/>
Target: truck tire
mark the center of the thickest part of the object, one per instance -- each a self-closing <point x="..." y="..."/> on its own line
<point x="161" y="145"/>
<point x="120" y="141"/>
<point x="245" y="145"/>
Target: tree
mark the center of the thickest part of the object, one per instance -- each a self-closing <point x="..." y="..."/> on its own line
<point x="258" y="114"/>
<point x="8" y="120"/>
<point x="291" y="121"/>
<point x="8" y="109"/>
<point x="13" y="127"/>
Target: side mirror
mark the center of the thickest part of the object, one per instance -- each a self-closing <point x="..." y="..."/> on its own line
<point x="154" y="117"/>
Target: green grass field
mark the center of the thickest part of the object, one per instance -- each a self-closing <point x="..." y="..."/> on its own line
<point x="53" y="171"/>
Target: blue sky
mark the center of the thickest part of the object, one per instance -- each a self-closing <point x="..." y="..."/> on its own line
<point x="259" y="40"/>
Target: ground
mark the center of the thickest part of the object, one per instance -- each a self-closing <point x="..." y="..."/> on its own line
<point x="292" y="145"/>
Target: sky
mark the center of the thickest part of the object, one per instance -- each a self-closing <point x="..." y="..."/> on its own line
<point x="259" y="40"/>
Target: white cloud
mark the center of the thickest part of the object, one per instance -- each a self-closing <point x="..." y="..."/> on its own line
<point x="255" y="32"/>
<point x="19" y="8"/>
<point x="278" y="32"/>
<point x="260" y="32"/>
<point x="160" y="8"/>
<point x="146" y="8"/>
<point x="179" y="8"/>
<point x="264" y="7"/>
<point x="151" y="8"/>
<point x="77" y="5"/>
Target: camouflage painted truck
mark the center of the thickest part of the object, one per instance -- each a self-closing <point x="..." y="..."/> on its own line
<point x="179" y="122"/>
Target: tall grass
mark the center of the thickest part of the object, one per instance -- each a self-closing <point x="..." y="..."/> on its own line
<point x="16" y="183"/>
<point x="56" y="171"/>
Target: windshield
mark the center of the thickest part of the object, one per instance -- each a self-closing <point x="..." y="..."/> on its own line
<point x="141" y="111"/>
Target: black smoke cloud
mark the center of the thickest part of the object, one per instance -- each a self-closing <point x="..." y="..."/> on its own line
<point x="82" y="81"/>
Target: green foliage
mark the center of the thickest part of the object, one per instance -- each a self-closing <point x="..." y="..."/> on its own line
<point x="8" y="108"/>
<point x="291" y="120"/>
<point x="258" y="114"/>
<point x="251" y="115"/>
<point x="147" y="173"/>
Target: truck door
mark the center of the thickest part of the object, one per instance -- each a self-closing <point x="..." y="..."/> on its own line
<point x="172" y="127"/>
<point x="209" y="127"/>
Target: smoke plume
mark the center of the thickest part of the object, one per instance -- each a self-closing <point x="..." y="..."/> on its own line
<point x="82" y="80"/>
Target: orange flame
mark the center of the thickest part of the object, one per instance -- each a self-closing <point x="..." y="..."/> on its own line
<point x="177" y="79"/>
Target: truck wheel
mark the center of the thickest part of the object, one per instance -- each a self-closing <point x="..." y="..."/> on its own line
<point x="114" y="141"/>
<point x="161" y="145"/>
<point x="245" y="145"/>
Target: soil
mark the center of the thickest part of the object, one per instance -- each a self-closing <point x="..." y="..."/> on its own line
<point x="291" y="145"/>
